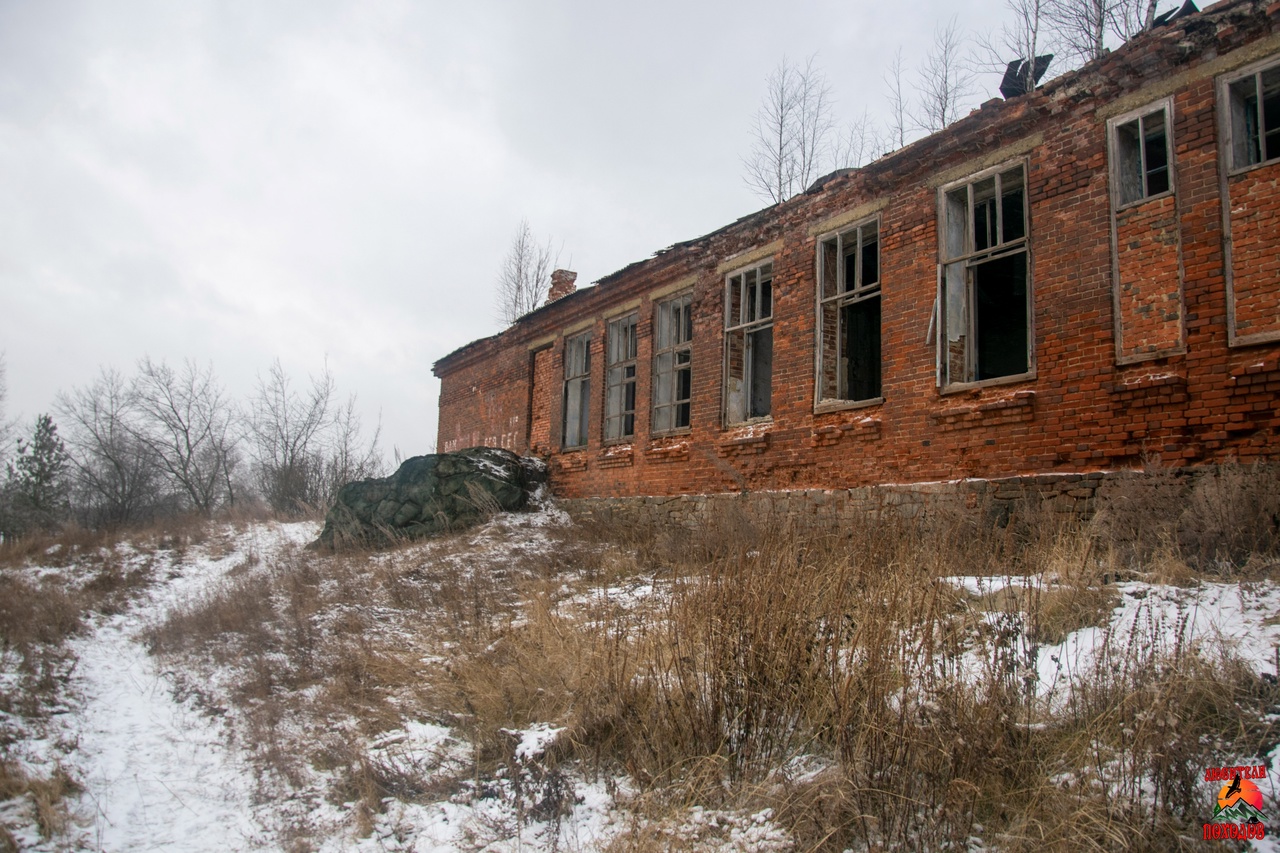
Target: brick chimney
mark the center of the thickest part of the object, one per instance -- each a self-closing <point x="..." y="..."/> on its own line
<point x="562" y="284"/>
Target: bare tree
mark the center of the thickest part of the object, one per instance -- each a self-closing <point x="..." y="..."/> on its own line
<point x="861" y="143"/>
<point x="116" y="476"/>
<point x="184" y="416"/>
<point x="285" y="428"/>
<point x="792" y="132"/>
<point x="525" y="275"/>
<point x="1083" y="25"/>
<point x="348" y="457"/>
<point x="306" y="446"/>
<point x="898" y="103"/>
<point x="1130" y="17"/>
<point x="1022" y="37"/>
<point x="944" y="80"/>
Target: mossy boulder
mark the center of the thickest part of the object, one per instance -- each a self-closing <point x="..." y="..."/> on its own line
<point x="430" y="495"/>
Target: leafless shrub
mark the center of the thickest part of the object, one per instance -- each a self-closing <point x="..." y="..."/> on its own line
<point x="6" y="425"/>
<point x="861" y="143"/>
<point x="1082" y="26"/>
<point x="1224" y="518"/>
<point x="37" y="613"/>
<point x="1233" y="517"/>
<point x="778" y="642"/>
<point x="899" y="102"/>
<point x="1139" y="514"/>
<point x="751" y="651"/>
<point x="240" y="607"/>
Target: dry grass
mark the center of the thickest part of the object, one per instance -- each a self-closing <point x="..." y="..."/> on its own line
<point x="777" y="643"/>
<point x="50" y="586"/>
<point x="344" y="644"/>
<point x="44" y="795"/>
<point x="719" y="666"/>
<point x="1223" y="521"/>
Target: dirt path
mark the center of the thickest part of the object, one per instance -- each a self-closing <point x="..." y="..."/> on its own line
<point x="157" y="773"/>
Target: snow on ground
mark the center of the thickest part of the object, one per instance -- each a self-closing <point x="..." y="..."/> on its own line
<point x="158" y="774"/>
<point x="1241" y="618"/>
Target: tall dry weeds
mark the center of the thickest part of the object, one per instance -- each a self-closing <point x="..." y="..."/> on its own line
<point x="830" y="675"/>
<point x="779" y="646"/>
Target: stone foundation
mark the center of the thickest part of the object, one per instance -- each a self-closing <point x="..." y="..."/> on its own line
<point x="1064" y="496"/>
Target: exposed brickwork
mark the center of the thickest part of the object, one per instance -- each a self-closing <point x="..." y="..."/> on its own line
<point x="544" y="386"/>
<point x="1255" y="250"/>
<point x="1176" y="386"/>
<point x="1149" y="292"/>
<point x="562" y="284"/>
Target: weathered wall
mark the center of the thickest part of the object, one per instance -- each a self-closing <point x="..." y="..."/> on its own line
<point x="1066" y="498"/>
<point x="1132" y="355"/>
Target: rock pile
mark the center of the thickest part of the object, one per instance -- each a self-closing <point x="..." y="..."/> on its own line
<point x="431" y="494"/>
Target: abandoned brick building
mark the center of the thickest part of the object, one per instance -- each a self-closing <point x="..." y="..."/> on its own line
<point x="1071" y="280"/>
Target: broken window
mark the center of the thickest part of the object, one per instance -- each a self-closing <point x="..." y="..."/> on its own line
<point x="672" y="364"/>
<point x="577" y="390"/>
<point x="849" y="306"/>
<point x="1254" y="102"/>
<point x="1140" y="154"/>
<point x="985" y="279"/>
<point x="620" y="380"/>
<point x="748" y="321"/>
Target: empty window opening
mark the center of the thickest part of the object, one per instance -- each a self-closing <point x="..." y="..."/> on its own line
<point x="1141" y="156"/>
<point x="672" y="364"/>
<point x="577" y="390"/>
<point x="985" y="279"/>
<point x="620" y="380"/>
<point x="749" y="344"/>
<point x="1255" y="117"/>
<point x="849" y="304"/>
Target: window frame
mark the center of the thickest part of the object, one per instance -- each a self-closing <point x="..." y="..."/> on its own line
<point x="627" y="364"/>
<point x="581" y="382"/>
<point x="842" y="299"/>
<point x="674" y="350"/>
<point x="1227" y="114"/>
<point x="1114" y="126"/>
<point x="746" y="326"/>
<point x="971" y="258"/>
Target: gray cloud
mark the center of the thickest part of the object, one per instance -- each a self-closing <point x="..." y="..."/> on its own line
<point x="236" y="182"/>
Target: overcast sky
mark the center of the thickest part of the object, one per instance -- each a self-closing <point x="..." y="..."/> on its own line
<point x="235" y="182"/>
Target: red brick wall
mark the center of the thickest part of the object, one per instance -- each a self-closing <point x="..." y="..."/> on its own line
<point x="1255" y="251"/>
<point x="1081" y="409"/>
<point x="488" y="406"/>
<point x="1149" y="292"/>
<point x="544" y="386"/>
